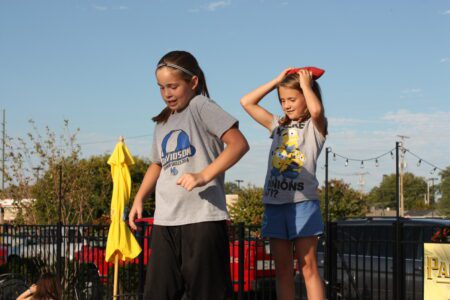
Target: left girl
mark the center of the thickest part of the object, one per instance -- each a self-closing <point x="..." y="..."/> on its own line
<point x="190" y="248"/>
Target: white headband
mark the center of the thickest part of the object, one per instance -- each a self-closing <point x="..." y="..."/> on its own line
<point x="175" y="67"/>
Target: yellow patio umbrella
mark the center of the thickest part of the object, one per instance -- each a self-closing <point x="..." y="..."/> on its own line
<point x="121" y="243"/>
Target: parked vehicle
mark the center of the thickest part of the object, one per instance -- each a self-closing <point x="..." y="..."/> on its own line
<point x="365" y="255"/>
<point x="258" y="269"/>
<point x="42" y="243"/>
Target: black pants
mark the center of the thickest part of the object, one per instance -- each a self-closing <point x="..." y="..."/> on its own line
<point x="191" y="260"/>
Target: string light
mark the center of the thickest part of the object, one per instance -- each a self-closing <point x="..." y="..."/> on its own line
<point x="423" y="161"/>
<point x="361" y="161"/>
<point x="376" y="159"/>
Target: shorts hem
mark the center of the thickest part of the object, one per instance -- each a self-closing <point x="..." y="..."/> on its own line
<point x="316" y="234"/>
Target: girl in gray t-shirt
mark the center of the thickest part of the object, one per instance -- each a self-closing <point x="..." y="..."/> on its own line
<point x="292" y="218"/>
<point x="190" y="247"/>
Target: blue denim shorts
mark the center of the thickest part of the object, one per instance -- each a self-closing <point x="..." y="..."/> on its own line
<point x="292" y="220"/>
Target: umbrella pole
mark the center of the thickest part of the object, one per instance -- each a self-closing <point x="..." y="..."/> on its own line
<point x="116" y="274"/>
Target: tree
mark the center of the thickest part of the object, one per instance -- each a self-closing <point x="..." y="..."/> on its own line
<point x="414" y="189"/>
<point x="344" y="202"/>
<point x="231" y="188"/>
<point x="86" y="184"/>
<point x="444" y="187"/>
<point x="249" y="207"/>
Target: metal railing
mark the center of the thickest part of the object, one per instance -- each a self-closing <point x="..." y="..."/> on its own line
<point x="361" y="259"/>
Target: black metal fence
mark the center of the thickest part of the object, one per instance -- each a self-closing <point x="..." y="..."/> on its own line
<point x="362" y="260"/>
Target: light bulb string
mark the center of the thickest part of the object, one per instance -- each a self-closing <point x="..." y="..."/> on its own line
<point x="362" y="160"/>
<point x="421" y="160"/>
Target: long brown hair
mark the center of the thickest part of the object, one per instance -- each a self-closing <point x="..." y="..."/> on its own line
<point x="186" y="61"/>
<point x="48" y="287"/>
<point x="292" y="81"/>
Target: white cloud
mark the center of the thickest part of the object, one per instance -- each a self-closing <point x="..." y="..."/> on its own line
<point x="217" y="5"/>
<point x="100" y="7"/>
<point x="445" y="60"/>
<point x="411" y="91"/>
<point x="447" y="12"/>
<point x="105" y="8"/>
<point x="347" y="121"/>
<point x="429" y="138"/>
<point x="212" y="6"/>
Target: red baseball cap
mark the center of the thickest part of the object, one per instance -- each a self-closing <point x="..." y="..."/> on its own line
<point x="316" y="72"/>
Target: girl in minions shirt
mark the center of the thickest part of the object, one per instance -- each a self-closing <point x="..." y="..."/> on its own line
<point x="292" y="218"/>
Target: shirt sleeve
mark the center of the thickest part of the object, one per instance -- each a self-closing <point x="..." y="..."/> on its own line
<point x="317" y="134"/>
<point x="216" y="120"/>
<point x="155" y="155"/>
<point x="275" y="123"/>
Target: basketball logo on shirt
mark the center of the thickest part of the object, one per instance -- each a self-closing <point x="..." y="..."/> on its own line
<point x="176" y="150"/>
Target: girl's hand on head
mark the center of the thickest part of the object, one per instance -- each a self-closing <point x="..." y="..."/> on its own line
<point x="280" y="77"/>
<point x="305" y="78"/>
<point x="189" y="181"/>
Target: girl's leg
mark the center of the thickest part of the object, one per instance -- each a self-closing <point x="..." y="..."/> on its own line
<point x="305" y="252"/>
<point x="282" y="251"/>
<point x="163" y="279"/>
<point x="205" y="256"/>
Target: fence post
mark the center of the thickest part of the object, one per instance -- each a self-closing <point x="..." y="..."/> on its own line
<point x="59" y="227"/>
<point x="241" y="262"/>
<point x="398" y="261"/>
<point x="327" y="248"/>
<point x="141" y="238"/>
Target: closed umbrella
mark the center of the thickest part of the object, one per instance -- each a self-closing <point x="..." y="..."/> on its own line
<point x="121" y="243"/>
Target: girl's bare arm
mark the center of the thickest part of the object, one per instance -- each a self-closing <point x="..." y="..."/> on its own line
<point x="146" y="188"/>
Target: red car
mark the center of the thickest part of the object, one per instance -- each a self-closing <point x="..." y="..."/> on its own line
<point x="259" y="269"/>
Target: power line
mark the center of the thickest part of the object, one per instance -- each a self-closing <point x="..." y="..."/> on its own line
<point x="114" y="140"/>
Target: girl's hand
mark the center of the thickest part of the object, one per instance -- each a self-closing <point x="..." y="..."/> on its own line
<point x="135" y="212"/>
<point x="305" y="78"/>
<point x="280" y="77"/>
<point x="191" y="180"/>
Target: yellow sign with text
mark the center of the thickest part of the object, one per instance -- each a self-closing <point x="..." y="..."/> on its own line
<point x="436" y="271"/>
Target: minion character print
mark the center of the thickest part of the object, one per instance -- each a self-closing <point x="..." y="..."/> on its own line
<point x="287" y="160"/>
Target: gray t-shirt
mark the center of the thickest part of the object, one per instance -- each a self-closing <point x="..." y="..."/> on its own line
<point x="291" y="170"/>
<point x="187" y="143"/>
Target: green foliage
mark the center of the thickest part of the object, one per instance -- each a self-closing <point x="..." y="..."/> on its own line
<point x="249" y="207"/>
<point x="344" y="202"/>
<point x="414" y="189"/>
<point x="86" y="184"/>
<point x="231" y="188"/>
<point x="444" y="187"/>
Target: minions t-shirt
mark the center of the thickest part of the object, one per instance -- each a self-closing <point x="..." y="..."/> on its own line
<point x="291" y="170"/>
<point x="187" y="143"/>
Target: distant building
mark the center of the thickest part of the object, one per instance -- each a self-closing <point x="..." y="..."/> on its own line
<point x="231" y="200"/>
<point x="8" y="209"/>
<point x="387" y="212"/>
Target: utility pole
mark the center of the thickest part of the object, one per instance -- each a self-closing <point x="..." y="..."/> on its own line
<point x="361" y="183"/>
<point x="37" y="169"/>
<point x="3" y="149"/>
<point x="432" y="179"/>
<point x="239" y="183"/>
<point x="402" y="169"/>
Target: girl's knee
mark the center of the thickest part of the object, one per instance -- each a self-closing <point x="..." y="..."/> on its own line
<point x="309" y="268"/>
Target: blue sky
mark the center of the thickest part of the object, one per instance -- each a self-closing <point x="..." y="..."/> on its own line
<point x="92" y="62"/>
